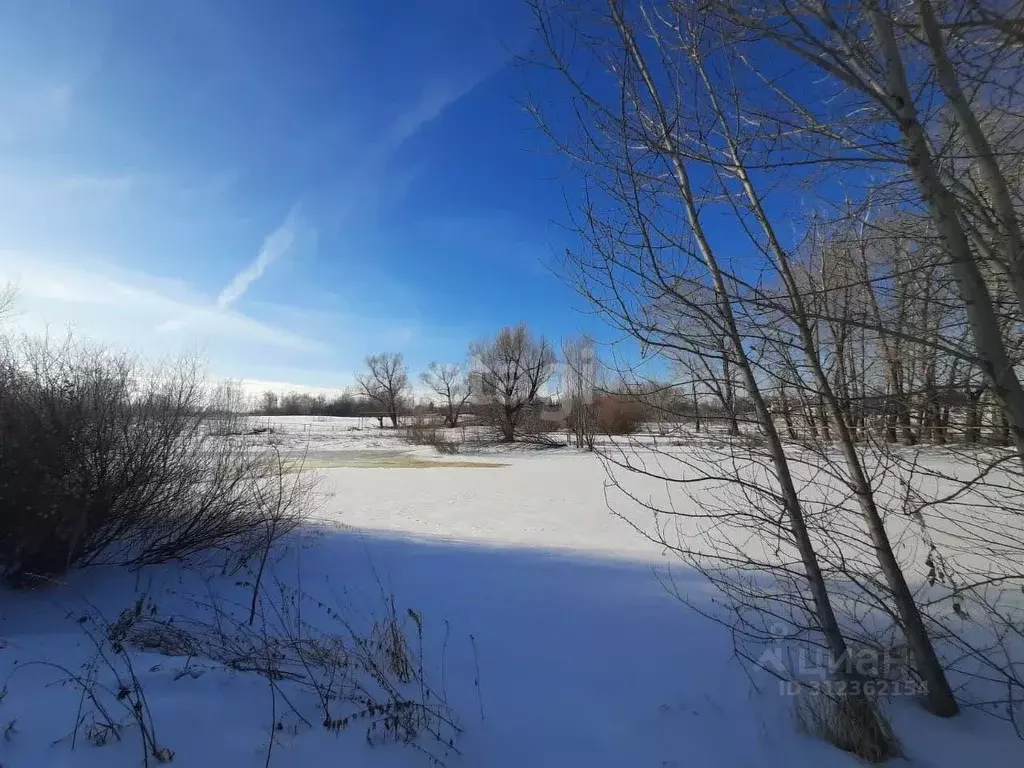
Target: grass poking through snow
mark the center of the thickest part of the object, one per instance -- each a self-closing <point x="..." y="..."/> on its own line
<point x="371" y="460"/>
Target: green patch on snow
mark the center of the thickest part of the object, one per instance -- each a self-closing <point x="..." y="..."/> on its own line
<point x="382" y="460"/>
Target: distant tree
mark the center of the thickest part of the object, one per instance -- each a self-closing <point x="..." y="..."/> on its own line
<point x="349" y="404"/>
<point x="510" y="370"/>
<point x="451" y="382"/>
<point x="579" y="381"/>
<point x="386" y="383"/>
<point x="268" y="402"/>
<point x="8" y="297"/>
<point x="296" y="404"/>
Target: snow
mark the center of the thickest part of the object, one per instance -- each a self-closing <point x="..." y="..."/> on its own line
<point x="549" y="501"/>
<point x="325" y="433"/>
<point x="520" y="572"/>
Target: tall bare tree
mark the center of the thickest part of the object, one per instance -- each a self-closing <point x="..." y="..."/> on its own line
<point x="865" y="330"/>
<point x="451" y="382"/>
<point x="673" y="295"/>
<point x="510" y="370"/>
<point x="579" y="386"/>
<point x="386" y="383"/>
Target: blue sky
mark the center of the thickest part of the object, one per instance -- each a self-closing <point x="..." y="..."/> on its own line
<point x="283" y="186"/>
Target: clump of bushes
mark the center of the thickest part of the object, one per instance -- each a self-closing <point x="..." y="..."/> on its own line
<point x="105" y="461"/>
<point x="421" y="432"/>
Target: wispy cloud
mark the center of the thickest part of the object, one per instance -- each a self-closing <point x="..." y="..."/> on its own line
<point x="375" y="179"/>
<point x="275" y="245"/>
<point x="120" y="307"/>
<point x="53" y="191"/>
<point x="434" y="98"/>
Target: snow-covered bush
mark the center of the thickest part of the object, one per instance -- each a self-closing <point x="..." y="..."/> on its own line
<point x="104" y="461"/>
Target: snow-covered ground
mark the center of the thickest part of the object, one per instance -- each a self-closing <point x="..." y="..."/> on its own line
<point x="545" y="622"/>
<point x="324" y="433"/>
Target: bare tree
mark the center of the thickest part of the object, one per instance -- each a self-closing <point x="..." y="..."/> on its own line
<point x="579" y="385"/>
<point x="891" y="315"/>
<point x="887" y="62"/>
<point x="510" y="370"/>
<point x="268" y="402"/>
<point x="672" y="295"/>
<point x="451" y="382"/>
<point x="386" y="383"/>
<point x="690" y="130"/>
<point x="8" y="297"/>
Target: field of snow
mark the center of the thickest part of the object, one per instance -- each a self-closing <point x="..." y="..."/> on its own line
<point x="545" y="621"/>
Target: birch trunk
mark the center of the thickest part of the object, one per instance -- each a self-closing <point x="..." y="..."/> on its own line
<point x="944" y="210"/>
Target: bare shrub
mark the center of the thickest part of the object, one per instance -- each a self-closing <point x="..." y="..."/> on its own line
<point x="228" y="411"/>
<point x="853" y="723"/>
<point x="107" y="462"/>
<point x="535" y="427"/>
<point x="357" y="670"/>
<point x="421" y="432"/>
<point x="111" y="695"/>
<point x="388" y="639"/>
<point x="445" y="446"/>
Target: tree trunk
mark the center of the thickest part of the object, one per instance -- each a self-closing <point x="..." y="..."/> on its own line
<point x="984" y="157"/>
<point x="972" y="433"/>
<point x="508" y="425"/>
<point x="786" y="417"/>
<point x="823" y="610"/>
<point x="939" y="695"/>
<point x="811" y="418"/>
<point x="826" y="434"/>
<point x="944" y="210"/>
<point x="889" y="417"/>
<point x="906" y="427"/>
<point x="730" y="396"/>
<point x="696" y="406"/>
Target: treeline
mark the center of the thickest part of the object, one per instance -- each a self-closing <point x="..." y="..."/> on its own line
<point x="303" y="404"/>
